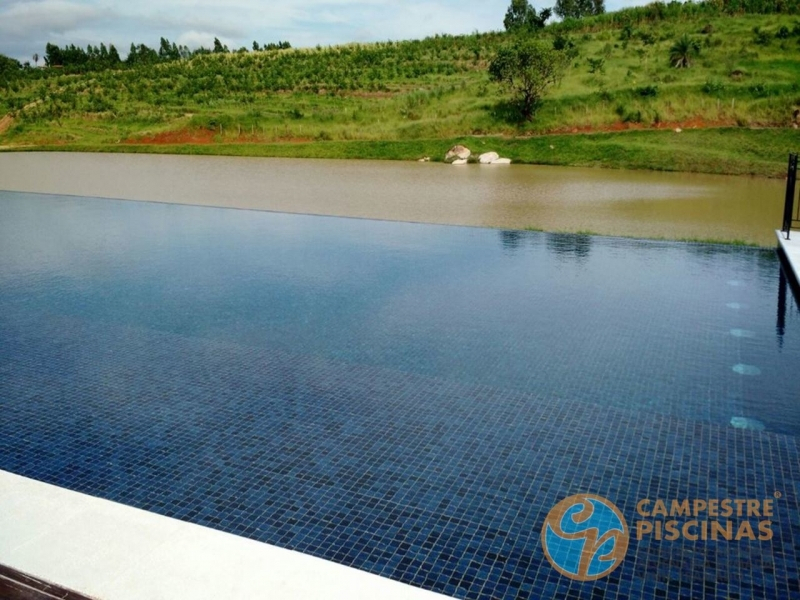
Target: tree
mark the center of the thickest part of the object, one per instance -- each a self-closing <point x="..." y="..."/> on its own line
<point x="219" y="48"/>
<point x="53" y="56"/>
<point x="113" y="56"/>
<point x="577" y="9"/>
<point x="683" y="52"/>
<point x="527" y="68"/>
<point x="9" y="66"/>
<point x="167" y="51"/>
<point x="521" y="16"/>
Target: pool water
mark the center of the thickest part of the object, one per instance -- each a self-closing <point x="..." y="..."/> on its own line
<point x="407" y="399"/>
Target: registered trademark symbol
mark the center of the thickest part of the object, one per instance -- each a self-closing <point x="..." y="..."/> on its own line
<point x="778" y="494"/>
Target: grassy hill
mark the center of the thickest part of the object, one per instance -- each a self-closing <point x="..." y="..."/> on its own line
<point x="618" y="105"/>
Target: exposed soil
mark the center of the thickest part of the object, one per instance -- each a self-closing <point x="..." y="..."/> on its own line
<point x="181" y="136"/>
<point x="209" y="136"/>
<point x="5" y="123"/>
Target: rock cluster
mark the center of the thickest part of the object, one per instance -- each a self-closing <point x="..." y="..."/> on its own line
<point x="461" y="155"/>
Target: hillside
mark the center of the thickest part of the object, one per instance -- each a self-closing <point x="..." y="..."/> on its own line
<point x="416" y="97"/>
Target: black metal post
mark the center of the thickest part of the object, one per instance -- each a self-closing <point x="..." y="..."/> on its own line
<point x="788" y="208"/>
<point x="781" y="325"/>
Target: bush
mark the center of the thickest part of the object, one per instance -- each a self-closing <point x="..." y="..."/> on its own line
<point x="761" y="37"/>
<point x="596" y="65"/>
<point x="647" y="91"/>
<point x="713" y="87"/>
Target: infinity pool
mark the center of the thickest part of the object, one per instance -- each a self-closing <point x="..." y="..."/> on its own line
<point x="406" y="399"/>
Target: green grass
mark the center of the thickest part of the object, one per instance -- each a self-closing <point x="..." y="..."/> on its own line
<point x="738" y="151"/>
<point x="404" y="100"/>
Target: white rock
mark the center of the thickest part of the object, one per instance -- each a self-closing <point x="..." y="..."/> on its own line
<point x="459" y="161"/>
<point x="502" y="161"/>
<point x="488" y="158"/>
<point x="456" y="153"/>
<point x="747" y="423"/>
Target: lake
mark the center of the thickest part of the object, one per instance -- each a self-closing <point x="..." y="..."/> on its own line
<point x="604" y="201"/>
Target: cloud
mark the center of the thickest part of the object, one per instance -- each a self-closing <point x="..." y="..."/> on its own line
<point x="26" y="27"/>
<point x="23" y="19"/>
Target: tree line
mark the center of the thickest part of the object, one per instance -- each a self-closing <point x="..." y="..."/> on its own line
<point x="101" y="57"/>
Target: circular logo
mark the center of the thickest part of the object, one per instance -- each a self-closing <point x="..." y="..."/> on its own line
<point x="585" y="537"/>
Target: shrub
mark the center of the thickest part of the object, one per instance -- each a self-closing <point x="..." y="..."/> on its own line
<point x="647" y="91"/>
<point x="761" y="37"/>
<point x="683" y="52"/>
<point x="648" y="39"/>
<point x="596" y="65"/>
<point x="713" y="86"/>
<point x="759" y="90"/>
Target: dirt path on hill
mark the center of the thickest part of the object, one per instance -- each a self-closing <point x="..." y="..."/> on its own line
<point x="5" y="123"/>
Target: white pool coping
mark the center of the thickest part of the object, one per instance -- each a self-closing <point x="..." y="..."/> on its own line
<point x="791" y="248"/>
<point x="109" y="551"/>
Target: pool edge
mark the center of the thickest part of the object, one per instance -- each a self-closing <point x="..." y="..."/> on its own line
<point x="791" y="249"/>
<point x="110" y="551"/>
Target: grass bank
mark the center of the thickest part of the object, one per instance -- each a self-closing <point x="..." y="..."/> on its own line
<point x="730" y="151"/>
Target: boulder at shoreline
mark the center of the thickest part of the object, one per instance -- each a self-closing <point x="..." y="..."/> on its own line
<point x="457" y="152"/>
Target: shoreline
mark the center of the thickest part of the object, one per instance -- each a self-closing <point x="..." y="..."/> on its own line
<point x="713" y="151"/>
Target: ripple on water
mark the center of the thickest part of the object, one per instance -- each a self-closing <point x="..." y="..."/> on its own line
<point x="743" y="333"/>
<point x="746" y="369"/>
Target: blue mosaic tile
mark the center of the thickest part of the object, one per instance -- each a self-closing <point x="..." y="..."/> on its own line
<point x="355" y="391"/>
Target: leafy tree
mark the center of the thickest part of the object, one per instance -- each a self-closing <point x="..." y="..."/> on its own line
<point x="167" y="51"/>
<point x="577" y="9"/>
<point x="113" y="56"/>
<point x="219" y="48"/>
<point x="527" y="68"/>
<point x="141" y="55"/>
<point x="521" y="16"/>
<point x="683" y="52"/>
<point x="9" y="66"/>
<point x="53" y="56"/>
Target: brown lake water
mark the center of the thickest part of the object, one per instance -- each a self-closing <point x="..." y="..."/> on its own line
<point x="611" y="202"/>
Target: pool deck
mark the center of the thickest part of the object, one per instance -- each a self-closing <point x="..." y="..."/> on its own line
<point x="110" y="551"/>
<point x="791" y="248"/>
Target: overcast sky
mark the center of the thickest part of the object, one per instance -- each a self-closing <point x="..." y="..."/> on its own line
<point x="26" y="26"/>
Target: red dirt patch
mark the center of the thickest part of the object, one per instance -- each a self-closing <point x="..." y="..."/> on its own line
<point x="208" y="136"/>
<point x="182" y="136"/>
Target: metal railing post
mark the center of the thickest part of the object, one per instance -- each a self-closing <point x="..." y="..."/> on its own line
<point x="788" y="207"/>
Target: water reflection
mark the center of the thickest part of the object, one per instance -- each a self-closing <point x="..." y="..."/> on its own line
<point x="569" y="245"/>
<point x="511" y="239"/>
<point x="787" y="286"/>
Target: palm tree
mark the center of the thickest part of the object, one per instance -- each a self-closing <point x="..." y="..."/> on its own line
<point x="683" y="52"/>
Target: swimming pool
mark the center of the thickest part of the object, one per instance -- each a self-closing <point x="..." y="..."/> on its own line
<point x="407" y="399"/>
